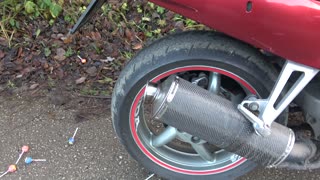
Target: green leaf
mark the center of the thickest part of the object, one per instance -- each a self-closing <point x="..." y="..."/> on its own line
<point x="68" y="18"/>
<point x="38" y="32"/>
<point x="151" y="5"/>
<point x="160" y="10"/>
<point x="139" y="9"/>
<point x="17" y="24"/>
<point x="146" y="19"/>
<point x="69" y="52"/>
<point x="47" y="52"/>
<point x="47" y="2"/>
<point x="157" y="31"/>
<point x="12" y="22"/>
<point x="149" y="34"/>
<point x="30" y="7"/>
<point x="55" y="10"/>
<point x="51" y="22"/>
<point x="124" y="6"/>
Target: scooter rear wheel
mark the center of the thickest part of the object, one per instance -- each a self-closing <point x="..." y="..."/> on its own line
<point x="213" y="61"/>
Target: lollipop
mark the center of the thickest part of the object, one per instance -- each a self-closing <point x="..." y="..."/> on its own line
<point x="29" y="160"/>
<point x="24" y="150"/>
<point x="83" y="61"/>
<point x="11" y="169"/>
<point x="71" y="140"/>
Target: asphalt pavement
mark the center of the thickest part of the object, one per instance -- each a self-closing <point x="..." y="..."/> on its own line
<point x="96" y="154"/>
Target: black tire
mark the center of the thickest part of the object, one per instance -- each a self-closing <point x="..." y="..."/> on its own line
<point x="184" y="50"/>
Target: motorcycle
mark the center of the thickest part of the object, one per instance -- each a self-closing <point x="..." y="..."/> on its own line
<point x="215" y="104"/>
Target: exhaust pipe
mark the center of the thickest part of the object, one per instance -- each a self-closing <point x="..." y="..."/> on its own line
<point x="194" y="110"/>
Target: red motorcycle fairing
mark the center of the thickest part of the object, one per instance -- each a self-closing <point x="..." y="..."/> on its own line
<point x="287" y="28"/>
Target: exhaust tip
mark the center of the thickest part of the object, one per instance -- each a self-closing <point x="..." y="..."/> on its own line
<point x="160" y="96"/>
<point x="150" y="92"/>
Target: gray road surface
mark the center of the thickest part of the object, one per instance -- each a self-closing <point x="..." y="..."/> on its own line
<point x="97" y="154"/>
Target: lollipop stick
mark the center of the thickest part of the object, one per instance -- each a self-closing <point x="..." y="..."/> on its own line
<point x="19" y="158"/>
<point x="150" y="177"/>
<point x="4" y="174"/>
<point x="12" y="168"/>
<point x="24" y="150"/>
<point x="40" y="160"/>
<point x="75" y="133"/>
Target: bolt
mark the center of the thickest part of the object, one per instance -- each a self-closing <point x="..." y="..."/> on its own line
<point x="195" y="139"/>
<point x="254" y="106"/>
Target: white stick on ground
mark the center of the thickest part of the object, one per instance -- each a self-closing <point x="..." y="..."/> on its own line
<point x="150" y="177"/>
<point x="75" y="133"/>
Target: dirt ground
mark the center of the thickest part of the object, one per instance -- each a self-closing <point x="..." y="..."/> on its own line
<point x="46" y="121"/>
<point x="45" y="126"/>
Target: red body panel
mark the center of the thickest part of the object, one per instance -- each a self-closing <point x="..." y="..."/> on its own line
<point x="288" y="28"/>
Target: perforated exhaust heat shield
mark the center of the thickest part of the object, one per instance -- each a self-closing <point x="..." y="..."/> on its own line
<point x="194" y="110"/>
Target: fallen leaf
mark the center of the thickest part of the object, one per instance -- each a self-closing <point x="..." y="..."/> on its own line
<point x="60" y="73"/>
<point x="20" y="52"/>
<point x="67" y="40"/>
<point x="81" y="80"/>
<point x="33" y="86"/>
<point x="129" y="34"/>
<point x="45" y="65"/>
<point x="60" y="36"/>
<point x="92" y="71"/>
<point x="1" y="54"/>
<point x="60" y="54"/>
<point x="27" y="70"/>
<point x="96" y="35"/>
<point x="137" y="46"/>
<point x="3" y="41"/>
<point x="47" y="52"/>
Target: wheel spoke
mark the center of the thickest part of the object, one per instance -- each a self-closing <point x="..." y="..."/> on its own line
<point x="166" y="136"/>
<point x="214" y="82"/>
<point x="203" y="151"/>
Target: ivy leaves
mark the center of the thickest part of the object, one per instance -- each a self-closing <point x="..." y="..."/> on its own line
<point x="47" y="8"/>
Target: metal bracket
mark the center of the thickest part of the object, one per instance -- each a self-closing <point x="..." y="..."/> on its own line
<point x="268" y="109"/>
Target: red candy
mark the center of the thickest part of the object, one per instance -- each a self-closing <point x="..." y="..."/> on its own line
<point x="25" y="149"/>
<point x="12" y="168"/>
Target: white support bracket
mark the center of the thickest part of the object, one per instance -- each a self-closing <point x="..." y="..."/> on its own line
<point x="267" y="109"/>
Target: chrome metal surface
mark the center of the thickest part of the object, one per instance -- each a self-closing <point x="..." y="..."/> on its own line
<point x="169" y="134"/>
<point x="151" y="90"/>
<point x="287" y="151"/>
<point x="214" y="82"/>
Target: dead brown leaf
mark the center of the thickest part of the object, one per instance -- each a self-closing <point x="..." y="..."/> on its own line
<point x="60" y="54"/>
<point x="20" y="52"/>
<point x="92" y="71"/>
<point x="67" y="40"/>
<point x="95" y="36"/>
<point x="137" y="46"/>
<point x="129" y="34"/>
<point x="81" y="80"/>
<point x="34" y="86"/>
<point x="1" y="54"/>
<point x="3" y="41"/>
